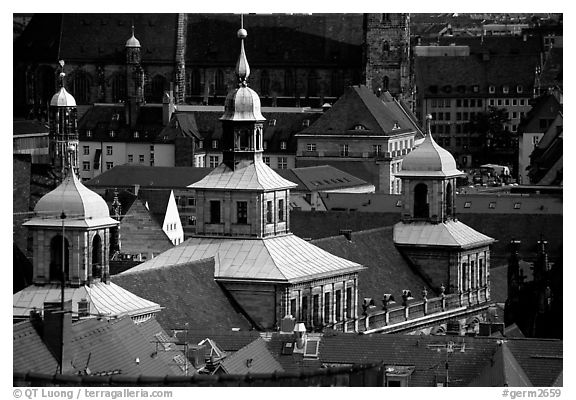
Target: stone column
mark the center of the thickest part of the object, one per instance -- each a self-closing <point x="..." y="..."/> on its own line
<point x="321" y="311"/>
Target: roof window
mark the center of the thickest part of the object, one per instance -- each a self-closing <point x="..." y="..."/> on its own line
<point x="306" y="122"/>
<point x="519" y="89"/>
<point x="492" y="205"/>
<point x="516" y="206"/>
<point x="467" y="204"/>
<point x="272" y="122"/>
<point x="491" y="89"/>
<point x="311" y="348"/>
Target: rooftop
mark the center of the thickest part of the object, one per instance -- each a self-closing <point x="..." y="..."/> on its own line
<point x="449" y="234"/>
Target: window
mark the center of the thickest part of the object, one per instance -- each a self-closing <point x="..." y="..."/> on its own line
<point x="507" y="102"/>
<point x="282" y="162"/>
<point x="499" y="102"/>
<point x="213" y="161"/>
<point x="152" y="157"/>
<point x="214" y="212"/>
<point x="272" y="122"/>
<point x="88" y="133"/>
<point x="108" y="150"/>
<point x="282" y="145"/>
<point x="505" y="89"/>
<point x="343" y="150"/>
<point x="191" y="201"/>
<point x="311" y="147"/>
<point x="377" y="148"/>
<point x="136" y="134"/>
<point x="281" y="210"/>
<point x="266" y="160"/>
<point x="491" y="89"/>
<point x="214" y="144"/>
<point x="151" y="148"/>
<point x="338" y="306"/>
<point x="327" y="318"/>
<point x="109" y="165"/>
<point x="191" y="220"/>
<point x="112" y="134"/>
<point x="130" y="158"/>
<point x="304" y="309"/>
<point x="241" y="212"/>
<point x="86" y="150"/>
<point x="200" y="144"/>
<point x="141" y="158"/>
<point x="348" y="302"/>
<point x="516" y="206"/>
<point x="522" y="102"/>
<point x="491" y="102"/>
<point x="269" y="212"/>
<point x="421" y="206"/>
<point x="519" y="89"/>
<point x="86" y="166"/>
<point x="492" y="205"/>
<point x="479" y="102"/>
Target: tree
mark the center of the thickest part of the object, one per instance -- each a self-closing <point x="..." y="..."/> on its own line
<point x="489" y="127"/>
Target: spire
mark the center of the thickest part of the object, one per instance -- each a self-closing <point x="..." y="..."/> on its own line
<point x="242" y="67"/>
<point x="62" y="75"/>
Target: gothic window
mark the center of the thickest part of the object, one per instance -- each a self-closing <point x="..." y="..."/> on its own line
<point x="219" y="84"/>
<point x="264" y="83"/>
<point x="421" y="206"/>
<point x="385" y="83"/>
<point x="288" y="83"/>
<point x="56" y="249"/>
<point x="156" y="89"/>
<point x="449" y="208"/>
<point x="81" y="83"/>
<point x="312" y="84"/>
<point x="97" y="256"/>
<point x="118" y="88"/>
<point x="385" y="48"/>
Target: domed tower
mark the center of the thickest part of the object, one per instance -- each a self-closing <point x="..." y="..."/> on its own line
<point x="134" y="79"/>
<point x="70" y="244"/>
<point x="446" y="252"/>
<point x="63" y="129"/>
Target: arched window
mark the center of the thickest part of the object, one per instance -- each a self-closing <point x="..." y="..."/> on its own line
<point x="264" y="83"/>
<point x="288" y="83"/>
<point x="56" y="258"/>
<point x="421" y="206"/>
<point x="385" y="48"/>
<point x="449" y="207"/>
<point x="97" y="256"/>
<point x="385" y="83"/>
<point x="81" y="83"/>
<point x="118" y="88"/>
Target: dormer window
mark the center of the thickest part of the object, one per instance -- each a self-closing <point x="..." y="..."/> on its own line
<point x="282" y="145"/>
<point x="475" y="88"/>
<point x="214" y="144"/>
<point x="112" y="133"/>
<point x="88" y="133"/>
<point x="491" y="89"/>
<point x="396" y="126"/>
<point x="272" y="122"/>
<point x="359" y="127"/>
<point x="519" y="89"/>
<point x="398" y="375"/>
<point x="505" y="89"/>
<point x="200" y="144"/>
<point x="136" y="134"/>
<point x="115" y="117"/>
<point x="306" y="123"/>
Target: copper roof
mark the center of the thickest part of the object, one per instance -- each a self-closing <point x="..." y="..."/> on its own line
<point x="284" y="258"/>
<point x="107" y="299"/>
<point x="450" y="233"/>
<point x="248" y="175"/>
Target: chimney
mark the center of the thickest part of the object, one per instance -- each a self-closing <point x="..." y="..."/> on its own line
<point x="57" y="333"/>
<point x="300" y="332"/>
<point x="347" y="233"/>
<point x="287" y="324"/>
<point x="136" y="189"/>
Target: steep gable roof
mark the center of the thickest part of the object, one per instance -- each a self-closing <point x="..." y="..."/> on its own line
<point x="188" y="293"/>
<point x="254" y="358"/>
<point x="358" y="106"/>
<point x="29" y="353"/>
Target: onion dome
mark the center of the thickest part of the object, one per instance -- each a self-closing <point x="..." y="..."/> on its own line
<point x="62" y="98"/>
<point x="429" y="159"/>
<point x="132" y="42"/>
<point x="243" y="103"/>
<point x="78" y="203"/>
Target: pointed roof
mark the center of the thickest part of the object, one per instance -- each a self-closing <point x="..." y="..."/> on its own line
<point x="359" y="107"/>
<point x="82" y="207"/>
<point x="449" y="233"/>
<point x="285" y="258"/>
<point x="247" y="175"/>
<point x="429" y="160"/>
<point x="254" y="358"/>
<point x="132" y="42"/>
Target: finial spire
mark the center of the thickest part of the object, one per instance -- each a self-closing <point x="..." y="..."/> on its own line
<point x="62" y="74"/>
<point x="242" y="67"/>
<point x="428" y="124"/>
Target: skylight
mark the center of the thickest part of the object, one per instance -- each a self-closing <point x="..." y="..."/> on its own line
<point x="311" y="348"/>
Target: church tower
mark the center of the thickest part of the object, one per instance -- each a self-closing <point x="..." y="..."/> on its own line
<point x="134" y="79"/>
<point x="63" y="129"/>
<point x="446" y="252"/>
<point x="387" y="54"/>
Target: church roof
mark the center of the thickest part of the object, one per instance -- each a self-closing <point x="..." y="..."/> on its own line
<point x="429" y="160"/>
<point x="63" y="99"/>
<point x="247" y="175"/>
<point x="285" y="258"/>
<point x="358" y="106"/>
<point x="450" y="234"/>
<point x="107" y="299"/>
<point x="83" y="207"/>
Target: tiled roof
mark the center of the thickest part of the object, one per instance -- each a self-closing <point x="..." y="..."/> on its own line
<point x="107" y="299"/>
<point x="450" y="233"/>
<point x="41" y="39"/>
<point x="29" y="127"/>
<point x="284" y="258"/>
<point x="254" y="358"/>
<point x="387" y="271"/>
<point x="359" y="106"/>
<point x="29" y="353"/>
<point x="545" y="107"/>
<point x="552" y="71"/>
<point x="410" y="350"/>
<point x="541" y="359"/>
<point x="157" y="201"/>
<point x="188" y="293"/>
<point x="123" y="176"/>
<point x="496" y="45"/>
<point x="181" y="124"/>
<point x="247" y="175"/>
<point x="228" y="340"/>
<point x="326" y="177"/>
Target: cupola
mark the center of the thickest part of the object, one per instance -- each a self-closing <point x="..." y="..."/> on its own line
<point x="132" y="42"/>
